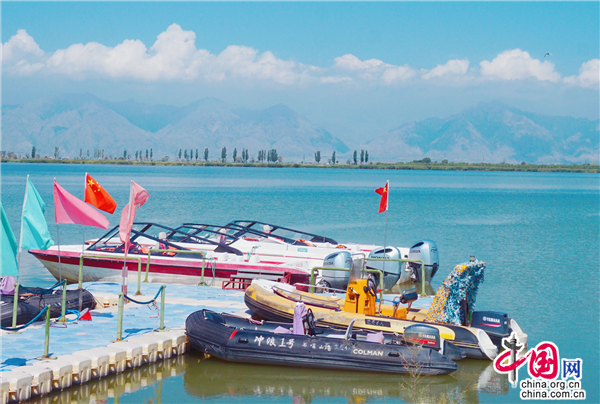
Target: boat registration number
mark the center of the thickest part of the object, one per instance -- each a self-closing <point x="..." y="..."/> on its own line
<point x="377" y="323"/>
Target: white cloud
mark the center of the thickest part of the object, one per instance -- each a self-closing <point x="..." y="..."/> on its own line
<point x="374" y="69"/>
<point x="352" y="63"/>
<point x="452" y="67"/>
<point x="589" y="74"/>
<point x="175" y="57"/>
<point x="517" y="65"/>
<point x="21" y="54"/>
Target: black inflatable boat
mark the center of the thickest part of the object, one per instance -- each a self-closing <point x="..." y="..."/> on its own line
<point x="237" y="339"/>
<point x="36" y="299"/>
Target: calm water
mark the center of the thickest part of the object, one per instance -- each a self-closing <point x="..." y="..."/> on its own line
<point x="539" y="234"/>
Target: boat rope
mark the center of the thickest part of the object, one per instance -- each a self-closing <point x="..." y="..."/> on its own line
<point x="148" y="302"/>
<point x="25" y="325"/>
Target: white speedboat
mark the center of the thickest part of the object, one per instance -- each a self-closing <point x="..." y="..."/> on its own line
<point x="240" y="246"/>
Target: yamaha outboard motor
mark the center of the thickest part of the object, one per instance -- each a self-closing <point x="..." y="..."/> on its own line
<point x="391" y="270"/>
<point x="426" y="251"/>
<point x="495" y="324"/>
<point x="335" y="279"/>
<point x="429" y="337"/>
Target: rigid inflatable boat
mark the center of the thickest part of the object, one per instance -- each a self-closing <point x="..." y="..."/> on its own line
<point x="36" y="300"/>
<point x="480" y="339"/>
<point x="235" y="339"/>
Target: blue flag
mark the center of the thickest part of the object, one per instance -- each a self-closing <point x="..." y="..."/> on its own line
<point x="34" y="229"/>
<point x="8" y="264"/>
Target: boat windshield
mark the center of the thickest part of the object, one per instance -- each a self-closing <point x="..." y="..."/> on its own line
<point x="147" y="236"/>
<point x="288" y="235"/>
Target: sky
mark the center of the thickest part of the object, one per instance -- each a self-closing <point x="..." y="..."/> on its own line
<point x="357" y="68"/>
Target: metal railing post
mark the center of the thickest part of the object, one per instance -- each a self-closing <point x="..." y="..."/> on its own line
<point x="47" y="337"/>
<point x="63" y="309"/>
<point x="120" y="318"/>
<point x="202" y="274"/>
<point x="15" y="305"/>
<point x="162" y="308"/>
<point x="139" y="291"/>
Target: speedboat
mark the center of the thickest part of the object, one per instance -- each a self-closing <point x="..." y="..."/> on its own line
<point x="480" y="336"/>
<point x="237" y="339"/>
<point x="224" y="251"/>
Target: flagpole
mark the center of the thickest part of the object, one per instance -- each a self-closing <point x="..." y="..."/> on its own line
<point x="124" y="274"/>
<point x="59" y="264"/>
<point x="387" y="205"/>
<point x="21" y="233"/>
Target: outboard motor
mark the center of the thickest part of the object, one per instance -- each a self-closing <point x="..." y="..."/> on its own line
<point x="335" y="279"/>
<point x="429" y="337"/>
<point x="426" y="251"/>
<point x="495" y="324"/>
<point x="392" y="270"/>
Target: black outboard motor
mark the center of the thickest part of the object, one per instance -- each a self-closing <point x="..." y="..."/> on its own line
<point x="429" y="337"/>
<point x="426" y="251"/>
<point x="494" y="323"/>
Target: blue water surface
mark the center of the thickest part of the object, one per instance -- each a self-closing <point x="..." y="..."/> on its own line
<point x="538" y="232"/>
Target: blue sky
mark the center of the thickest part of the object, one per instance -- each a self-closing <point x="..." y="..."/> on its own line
<point x="353" y="67"/>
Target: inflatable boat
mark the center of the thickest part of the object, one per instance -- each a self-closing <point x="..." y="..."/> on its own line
<point x="235" y="339"/>
<point x="479" y="339"/>
<point x="36" y="299"/>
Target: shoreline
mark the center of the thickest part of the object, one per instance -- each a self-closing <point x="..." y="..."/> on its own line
<point x="550" y="168"/>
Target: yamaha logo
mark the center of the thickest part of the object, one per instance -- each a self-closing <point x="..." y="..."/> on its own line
<point x="491" y="320"/>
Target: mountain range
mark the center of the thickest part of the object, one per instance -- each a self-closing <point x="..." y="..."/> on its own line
<point x="489" y="132"/>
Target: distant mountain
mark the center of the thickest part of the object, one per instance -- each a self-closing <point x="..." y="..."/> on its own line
<point x="85" y="122"/>
<point x="488" y="132"/>
<point x="492" y="132"/>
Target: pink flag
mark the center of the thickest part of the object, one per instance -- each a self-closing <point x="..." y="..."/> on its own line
<point x="69" y="209"/>
<point x="138" y="196"/>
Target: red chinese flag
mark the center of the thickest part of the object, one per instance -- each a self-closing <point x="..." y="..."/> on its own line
<point x="97" y="196"/>
<point x="383" y="204"/>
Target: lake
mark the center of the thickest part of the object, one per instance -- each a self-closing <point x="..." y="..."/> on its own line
<point x="538" y="233"/>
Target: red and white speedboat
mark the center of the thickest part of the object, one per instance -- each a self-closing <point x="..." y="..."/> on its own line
<point x="240" y="246"/>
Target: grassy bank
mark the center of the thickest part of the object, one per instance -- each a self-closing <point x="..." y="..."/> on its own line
<point x="553" y="168"/>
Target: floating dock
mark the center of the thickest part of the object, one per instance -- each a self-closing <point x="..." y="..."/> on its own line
<point x="85" y="351"/>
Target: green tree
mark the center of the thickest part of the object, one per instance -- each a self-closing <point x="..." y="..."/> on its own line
<point x="179" y="154"/>
<point x="318" y="156"/>
<point x="362" y="156"/>
<point x="124" y="154"/>
<point x="147" y="154"/>
<point x="150" y="154"/>
<point x="136" y="155"/>
<point x="33" y="152"/>
<point x="224" y="154"/>
<point x="206" y="154"/>
<point x="426" y="160"/>
<point x="234" y="154"/>
<point x="333" y="158"/>
<point x="56" y="152"/>
<point x="196" y="154"/>
<point x="185" y="155"/>
<point x="366" y="156"/>
<point x="355" y="157"/>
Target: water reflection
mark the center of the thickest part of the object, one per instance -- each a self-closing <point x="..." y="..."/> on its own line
<point x="213" y="377"/>
<point x="112" y="387"/>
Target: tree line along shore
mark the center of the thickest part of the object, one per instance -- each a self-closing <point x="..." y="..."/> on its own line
<point x="413" y="165"/>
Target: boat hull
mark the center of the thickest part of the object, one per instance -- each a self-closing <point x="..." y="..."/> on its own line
<point x="270" y="306"/>
<point x="161" y="269"/>
<point x="265" y="347"/>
